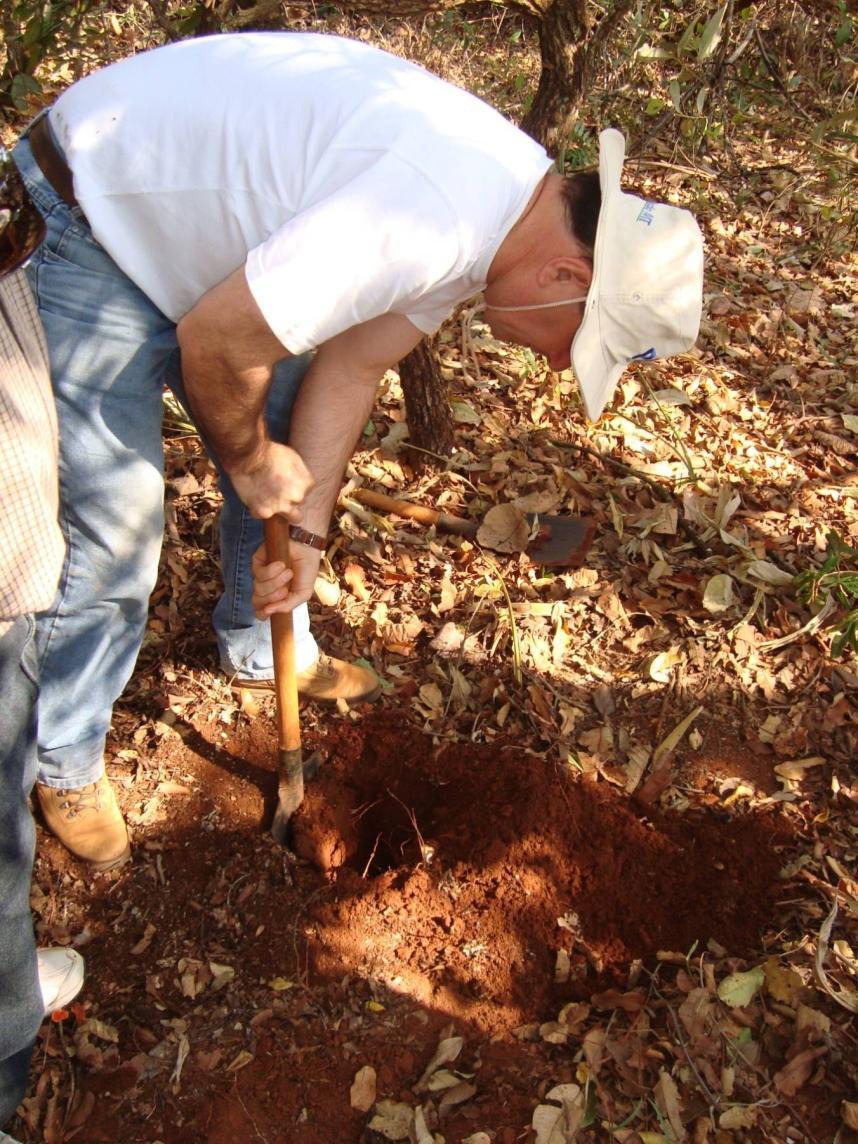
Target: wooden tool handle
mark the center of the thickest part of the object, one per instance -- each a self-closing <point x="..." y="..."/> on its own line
<point x="283" y="641"/>
<point x="415" y="512"/>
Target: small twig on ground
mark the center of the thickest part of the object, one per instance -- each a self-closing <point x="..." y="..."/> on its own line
<point x="426" y="852"/>
<point x="247" y="1111"/>
<point x="372" y="855"/>
<point x="360" y="811"/>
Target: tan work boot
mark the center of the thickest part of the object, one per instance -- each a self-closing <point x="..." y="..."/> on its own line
<point x="327" y="678"/>
<point x="88" y="822"/>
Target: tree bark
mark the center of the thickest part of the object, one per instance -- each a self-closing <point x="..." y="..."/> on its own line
<point x="571" y="46"/>
<point x="562" y="33"/>
<point x="427" y="410"/>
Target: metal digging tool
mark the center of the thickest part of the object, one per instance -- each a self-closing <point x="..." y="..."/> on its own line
<point x="559" y="542"/>
<point x="291" y="767"/>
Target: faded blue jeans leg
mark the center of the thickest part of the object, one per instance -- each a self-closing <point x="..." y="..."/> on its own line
<point x="111" y="352"/>
<point x="108" y="348"/>
<point x="20" y="1000"/>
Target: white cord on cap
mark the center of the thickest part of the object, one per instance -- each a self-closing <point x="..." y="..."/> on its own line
<point x="541" y="306"/>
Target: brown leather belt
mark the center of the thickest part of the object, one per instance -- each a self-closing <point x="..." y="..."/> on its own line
<point x="51" y="161"/>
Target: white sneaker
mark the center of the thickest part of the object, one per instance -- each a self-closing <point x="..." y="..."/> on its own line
<point x="60" y="977"/>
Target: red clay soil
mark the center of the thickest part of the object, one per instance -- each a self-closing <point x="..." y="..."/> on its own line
<point x="457" y="875"/>
<point x="239" y="988"/>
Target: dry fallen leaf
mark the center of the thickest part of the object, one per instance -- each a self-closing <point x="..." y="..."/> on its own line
<point x="667" y="1098"/>
<point x="797" y="1071"/>
<point x="635" y="767"/>
<point x="631" y="1002"/>
<point x="144" y="942"/>
<point x="441" y="1080"/>
<point x="718" y="594"/>
<point x="392" y="1119"/>
<point x="739" y="1116"/>
<point x="244" y="1058"/>
<point x="448" y="595"/>
<point x="327" y="591"/>
<point x="783" y="983"/>
<point x="843" y="995"/>
<point x="463" y="1091"/>
<point x="671" y="741"/>
<point x="447" y="1051"/>
<point x="362" y="1092"/>
<point x="795" y="770"/>
<point x="420" y="1133"/>
<point x="504" y="529"/>
<point x="558" y="1123"/>
<point x="553" y="1033"/>
<point x="355" y="577"/>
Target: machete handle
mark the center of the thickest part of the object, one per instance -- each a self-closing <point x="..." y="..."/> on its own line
<point x="417" y="512"/>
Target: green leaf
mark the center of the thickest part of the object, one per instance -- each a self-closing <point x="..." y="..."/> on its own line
<point x="738" y="989"/>
<point x="464" y="413"/>
<point x="711" y="34"/>
<point x="688" y="39"/>
<point x="23" y="86"/>
<point x="843" y="33"/>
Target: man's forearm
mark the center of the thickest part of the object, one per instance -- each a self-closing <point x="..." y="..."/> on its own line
<point x="330" y="412"/>
<point x="228" y="410"/>
<point x="335" y="400"/>
<point x="228" y="352"/>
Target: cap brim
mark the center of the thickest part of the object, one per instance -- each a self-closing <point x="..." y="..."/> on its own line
<point x="597" y="378"/>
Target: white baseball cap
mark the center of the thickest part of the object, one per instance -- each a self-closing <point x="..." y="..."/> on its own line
<point x="646" y="294"/>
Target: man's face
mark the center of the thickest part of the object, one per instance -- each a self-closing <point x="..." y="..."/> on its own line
<point x="546" y="331"/>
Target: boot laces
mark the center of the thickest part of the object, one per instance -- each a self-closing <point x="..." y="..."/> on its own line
<point x="324" y="668"/>
<point x="77" y="801"/>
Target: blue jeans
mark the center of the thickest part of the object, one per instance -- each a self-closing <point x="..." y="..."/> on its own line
<point x="111" y="353"/>
<point x="21" y="1007"/>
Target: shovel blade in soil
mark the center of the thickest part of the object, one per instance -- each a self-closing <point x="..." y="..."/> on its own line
<point x="294" y="771"/>
<point x="290" y="791"/>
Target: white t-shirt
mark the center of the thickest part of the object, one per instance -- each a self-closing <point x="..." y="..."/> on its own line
<point x="348" y="182"/>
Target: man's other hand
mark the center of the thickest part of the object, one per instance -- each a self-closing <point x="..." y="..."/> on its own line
<point x="277" y="588"/>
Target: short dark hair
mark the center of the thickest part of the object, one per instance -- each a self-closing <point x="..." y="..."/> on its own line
<point x="582" y="198"/>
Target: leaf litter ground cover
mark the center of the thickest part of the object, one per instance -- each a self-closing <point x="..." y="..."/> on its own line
<point x="588" y="871"/>
<point x="648" y="791"/>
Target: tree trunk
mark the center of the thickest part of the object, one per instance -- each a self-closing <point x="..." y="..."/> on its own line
<point x="571" y="46"/>
<point x="562" y="33"/>
<point x="427" y="410"/>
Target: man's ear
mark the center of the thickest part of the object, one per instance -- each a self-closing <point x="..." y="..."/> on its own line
<point x="566" y="270"/>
